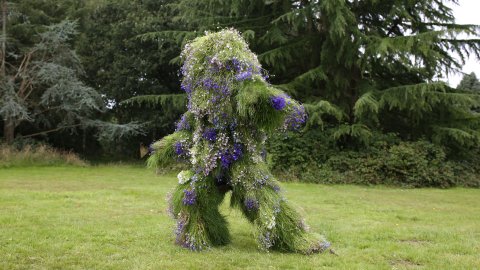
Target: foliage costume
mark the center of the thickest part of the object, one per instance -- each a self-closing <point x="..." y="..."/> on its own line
<point x="231" y="111"/>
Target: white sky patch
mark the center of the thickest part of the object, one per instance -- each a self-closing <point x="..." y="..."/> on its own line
<point x="466" y="12"/>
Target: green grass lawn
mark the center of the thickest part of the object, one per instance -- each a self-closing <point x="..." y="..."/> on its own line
<point x="114" y="217"/>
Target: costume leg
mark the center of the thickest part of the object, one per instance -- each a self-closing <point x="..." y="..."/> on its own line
<point x="277" y="225"/>
<point x="199" y="222"/>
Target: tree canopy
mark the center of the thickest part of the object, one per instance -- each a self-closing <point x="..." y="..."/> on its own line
<point x="469" y="82"/>
<point x="42" y="89"/>
<point x="360" y="67"/>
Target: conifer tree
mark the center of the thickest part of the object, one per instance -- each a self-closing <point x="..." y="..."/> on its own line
<point x="372" y="65"/>
<point x="40" y="76"/>
<point x="469" y="82"/>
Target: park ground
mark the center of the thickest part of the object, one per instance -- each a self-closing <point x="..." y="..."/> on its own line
<point x="114" y="217"/>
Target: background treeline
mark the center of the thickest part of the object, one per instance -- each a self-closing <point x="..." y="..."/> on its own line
<point x="369" y="73"/>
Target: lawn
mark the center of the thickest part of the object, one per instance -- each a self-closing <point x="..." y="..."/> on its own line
<point x="114" y="217"/>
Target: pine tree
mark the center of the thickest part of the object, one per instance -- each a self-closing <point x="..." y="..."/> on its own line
<point x="376" y="64"/>
<point x="41" y="88"/>
<point x="121" y="65"/>
<point x="469" y="82"/>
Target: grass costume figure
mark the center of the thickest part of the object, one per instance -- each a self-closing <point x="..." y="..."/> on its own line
<point x="231" y="112"/>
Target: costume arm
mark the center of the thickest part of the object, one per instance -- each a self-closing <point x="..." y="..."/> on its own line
<point x="267" y="107"/>
<point x="169" y="149"/>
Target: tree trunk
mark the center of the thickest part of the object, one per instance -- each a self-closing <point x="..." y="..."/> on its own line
<point x="9" y="123"/>
<point x="4" y="40"/>
<point x="9" y="130"/>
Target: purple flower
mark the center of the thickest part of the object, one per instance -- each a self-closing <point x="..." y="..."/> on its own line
<point x="210" y="134"/>
<point x="182" y="124"/>
<point x="190" y="197"/>
<point x="262" y="180"/>
<point x="251" y="204"/>
<point x="225" y="90"/>
<point x="278" y="102"/>
<point x="151" y="150"/>
<point x="226" y="159"/>
<point x="184" y="70"/>
<point x="296" y="118"/>
<point x="266" y="240"/>
<point x="236" y="64"/>
<point x="233" y="124"/>
<point x="265" y="74"/>
<point x="275" y="187"/>
<point x="178" y="148"/>
<point x="321" y="246"/>
<point x="244" y="75"/>
<point x="186" y="87"/>
<point x="208" y="83"/>
<point x="179" y="231"/>
<point x="237" y="151"/>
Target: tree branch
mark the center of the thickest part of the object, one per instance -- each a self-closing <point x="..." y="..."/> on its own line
<point x="50" y="131"/>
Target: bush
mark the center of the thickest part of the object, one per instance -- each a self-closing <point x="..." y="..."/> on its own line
<point x="387" y="161"/>
<point x="34" y="154"/>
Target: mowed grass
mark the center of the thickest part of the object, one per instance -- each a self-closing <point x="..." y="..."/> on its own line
<point x="114" y="217"/>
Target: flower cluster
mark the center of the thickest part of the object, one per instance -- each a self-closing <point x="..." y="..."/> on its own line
<point x="245" y="75"/>
<point x="210" y="134"/>
<point x="237" y="151"/>
<point x="228" y="156"/>
<point x="261" y="180"/>
<point x="295" y="119"/>
<point x="190" y="197"/>
<point x="266" y="240"/>
<point x="182" y="124"/>
<point x="191" y="243"/>
<point x="251" y="204"/>
<point x="180" y="230"/>
<point x="181" y="149"/>
<point x="278" y="102"/>
<point x="184" y="176"/>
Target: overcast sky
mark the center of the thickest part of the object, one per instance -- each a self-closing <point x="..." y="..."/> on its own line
<point x="467" y="12"/>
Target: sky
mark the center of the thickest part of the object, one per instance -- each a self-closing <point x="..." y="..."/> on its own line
<point x="467" y="12"/>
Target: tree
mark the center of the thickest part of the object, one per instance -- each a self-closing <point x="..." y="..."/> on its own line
<point x="360" y="65"/>
<point x="41" y="86"/>
<point x="469" y="82"/>
<point x="121" y="65"/>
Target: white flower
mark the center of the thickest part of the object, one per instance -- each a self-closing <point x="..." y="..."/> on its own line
<point x="272" y="223"/>
<point x="184" y="177"/>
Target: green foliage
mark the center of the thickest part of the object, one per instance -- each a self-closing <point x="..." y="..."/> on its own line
<point x="164" y="102"/>
<point x="320" y="112"/>
<point x="133" y="74"/>
<point x="315" y="157"/>
<point x="164" y="150"/>
<point x="254" y="106"/>
<point x="42" y="90"/>
<point x="361" y="66"/>
<point x="469" y="82"/>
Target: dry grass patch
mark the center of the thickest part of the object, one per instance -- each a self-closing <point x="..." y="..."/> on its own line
<point x="38" y="155"/>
